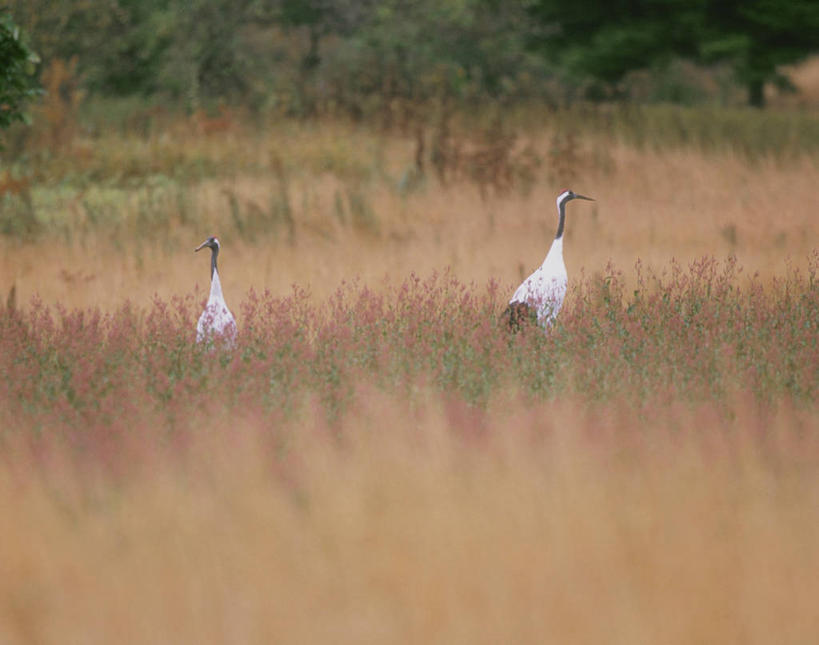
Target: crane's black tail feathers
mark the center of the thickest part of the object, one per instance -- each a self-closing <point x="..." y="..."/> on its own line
<point x="518" y="315"/>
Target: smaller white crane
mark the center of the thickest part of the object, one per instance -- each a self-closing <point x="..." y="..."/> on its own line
<point x="541" y="295"/>
<point x="216" y="322"/>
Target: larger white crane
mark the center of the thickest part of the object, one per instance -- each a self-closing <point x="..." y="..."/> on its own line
<point x="216" y="322"/>
<point x="541" y="295"/>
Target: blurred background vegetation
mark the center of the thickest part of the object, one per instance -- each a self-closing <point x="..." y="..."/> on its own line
<point x="308" y="57"/>
<point x="304" y="121"/>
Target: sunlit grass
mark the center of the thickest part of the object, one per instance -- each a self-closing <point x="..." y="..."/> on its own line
<point x="313" y="216"/>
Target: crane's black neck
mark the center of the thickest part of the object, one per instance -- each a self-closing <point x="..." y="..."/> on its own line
<point x="213" y="255"/>
<point x="561" y="209"/>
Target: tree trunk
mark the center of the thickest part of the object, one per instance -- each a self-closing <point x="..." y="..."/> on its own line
<point x="309" y="63"/>
<point x="756" y="93"/>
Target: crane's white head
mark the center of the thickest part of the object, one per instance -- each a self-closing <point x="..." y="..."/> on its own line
<point x="211" y="242"/>
<point x="567" y="195"/>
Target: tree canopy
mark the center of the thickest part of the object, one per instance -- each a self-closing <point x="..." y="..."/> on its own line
<point x="298" y="52"/>
<point x="605" y="41"/>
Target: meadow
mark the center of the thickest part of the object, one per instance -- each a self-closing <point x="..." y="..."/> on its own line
<point x="378" y="459"/>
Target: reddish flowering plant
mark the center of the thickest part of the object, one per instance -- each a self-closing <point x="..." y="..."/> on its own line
<point x="695" y="333"/>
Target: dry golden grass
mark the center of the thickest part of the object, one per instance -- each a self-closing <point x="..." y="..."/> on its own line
<point x="552" y="524"/>
<point x="651" y="205"/>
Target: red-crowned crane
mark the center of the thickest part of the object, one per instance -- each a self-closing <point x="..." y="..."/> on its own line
<point x="216" y="322"/>
<point x="541" y="295"/>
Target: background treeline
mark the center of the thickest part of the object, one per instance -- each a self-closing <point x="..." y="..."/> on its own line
<point x="307" y="57"/>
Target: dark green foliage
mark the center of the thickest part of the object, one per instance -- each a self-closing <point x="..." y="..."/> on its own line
<point x="297" y="55"/>
<point x="759" y="36"/>
<point x="17" y="63"/>
<point x="397" y="59"/>
<point x="140" y="37"/>
<point x="605" y="41"/>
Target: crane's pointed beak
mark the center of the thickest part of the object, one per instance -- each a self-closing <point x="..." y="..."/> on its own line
<point x="576" y="196"/>
<point x="201" y="246"/>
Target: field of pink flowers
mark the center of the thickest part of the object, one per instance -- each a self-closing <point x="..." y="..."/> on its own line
<point x="392" y="464"/>
<point x="703" y="332"/>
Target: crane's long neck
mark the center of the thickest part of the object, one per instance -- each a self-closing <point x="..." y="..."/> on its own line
<point x="215" y="288"/>
<point x="214" y="254"/>
<point x="561" y="211"/>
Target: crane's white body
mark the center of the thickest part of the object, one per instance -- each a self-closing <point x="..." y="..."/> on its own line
<point x="545" y="289"/>
<point x="216" y="321"/>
